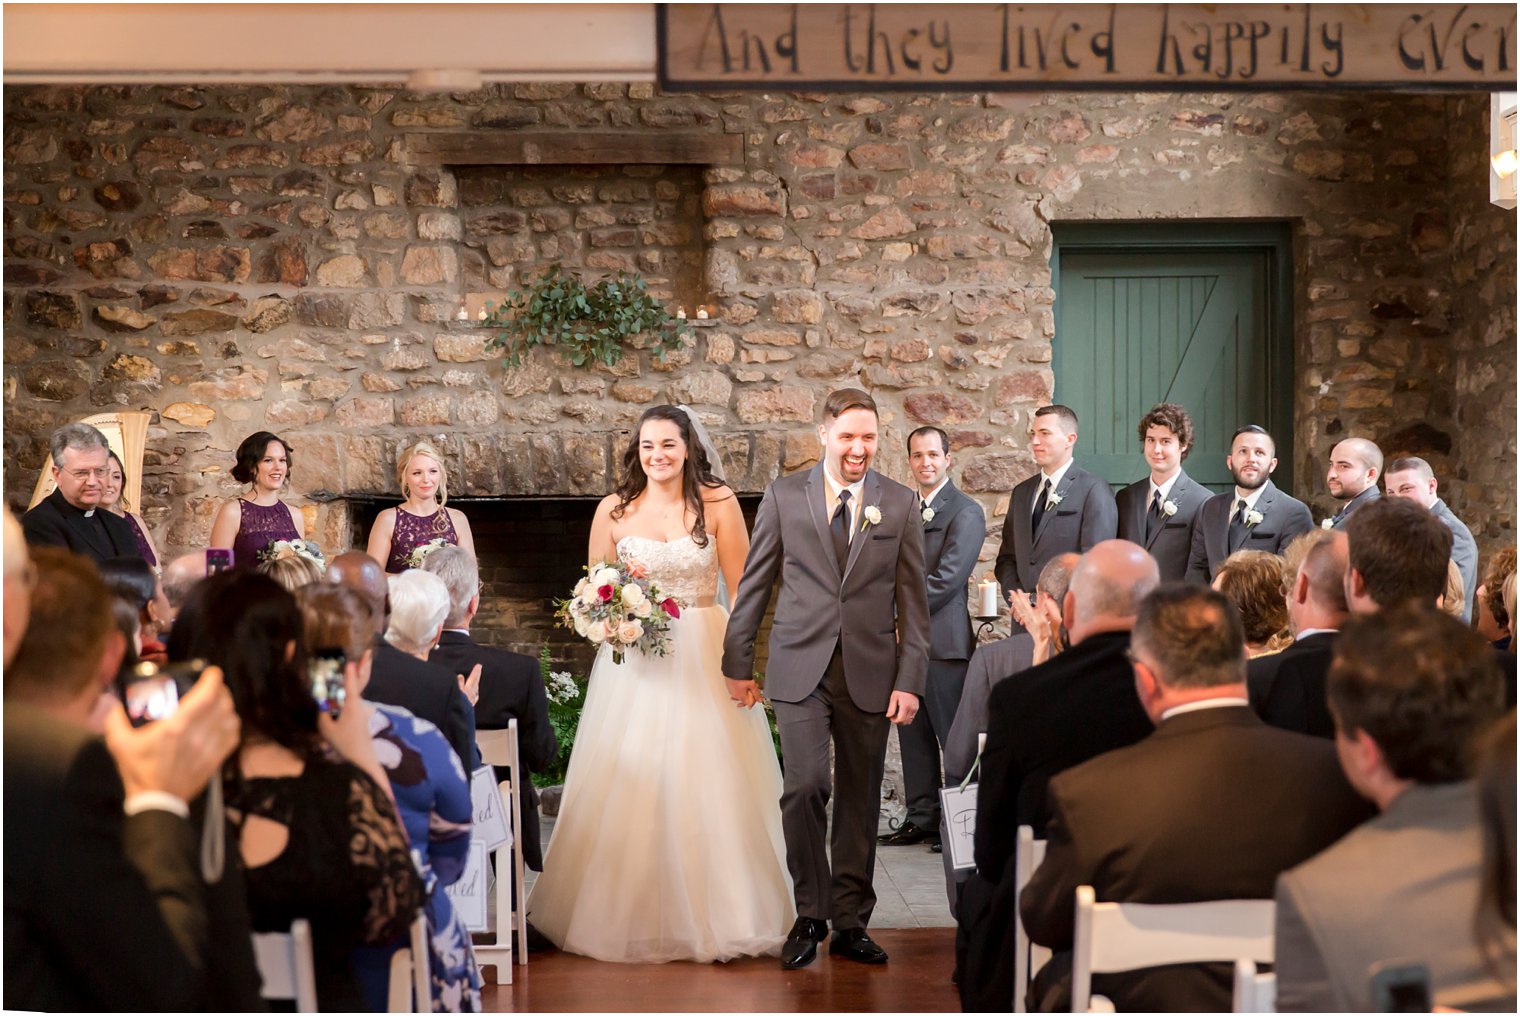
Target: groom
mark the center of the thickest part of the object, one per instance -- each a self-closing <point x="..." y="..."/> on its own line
<point x="848" y="657"/>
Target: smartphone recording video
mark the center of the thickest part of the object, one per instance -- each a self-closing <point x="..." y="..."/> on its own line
<point x="150" y="692"/>
<point x="325" y="668"/>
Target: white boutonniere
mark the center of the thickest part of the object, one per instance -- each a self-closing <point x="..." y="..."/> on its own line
<point x="1053" y="500"/>
<point x="872" y="517"/>
<point x="1327" y="524"/>
<point x="1253" y="517"/>
<point x="1169" y="508"/>
<point x="928" y="515"/>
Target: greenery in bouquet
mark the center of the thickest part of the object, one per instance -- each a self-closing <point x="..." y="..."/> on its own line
<point x="620" y="606"/>
<point x="420" y="552"/>
<point x="278" y="549"/>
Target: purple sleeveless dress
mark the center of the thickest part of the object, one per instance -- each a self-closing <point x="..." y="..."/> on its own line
<point x="260" y="526"/>
<point x="412" y="531"/>
<point x="143" y="547"/>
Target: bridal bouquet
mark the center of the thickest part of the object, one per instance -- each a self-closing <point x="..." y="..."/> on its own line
<point x="620" y="605"/>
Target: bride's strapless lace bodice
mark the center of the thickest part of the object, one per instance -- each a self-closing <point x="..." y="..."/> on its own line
<point x="680" y="568"/>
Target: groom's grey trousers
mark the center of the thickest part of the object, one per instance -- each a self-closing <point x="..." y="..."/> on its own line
<point x="860" y="742"/>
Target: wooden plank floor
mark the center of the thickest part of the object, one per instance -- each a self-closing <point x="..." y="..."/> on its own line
<point x="916" y="979"/>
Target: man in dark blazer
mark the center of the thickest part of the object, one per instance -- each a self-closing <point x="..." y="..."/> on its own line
<point x="1212" y="806"/>
<point x="511" y="687"/>
<point x="1253" y="516"/>
<point x="1061" y="508"/>
<point x="106" y="907"/>
<point x="1061" y="713"/>
<point x="1413" y="479"/>
<point x="1355" y="465"/>
<point x="1287" y="689"/>
<point x="955" y="528"/>
<point x="399" y="679"/>
<point x="71" y="516"/>
<point x="1158" y="511"/>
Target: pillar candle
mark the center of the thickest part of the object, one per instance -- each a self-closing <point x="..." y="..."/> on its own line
<point x="988" y="599"/>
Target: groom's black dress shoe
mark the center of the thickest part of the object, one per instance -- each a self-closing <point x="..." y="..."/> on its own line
<point x="801" y="946"/>
<point x="906" y="835"/>
<point x="855" y="944"/>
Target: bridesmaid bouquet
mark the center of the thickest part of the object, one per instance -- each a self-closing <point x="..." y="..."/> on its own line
<point x="618" y="604"/>
<point x="292" y="548"/>
<point x="420" y="552"/>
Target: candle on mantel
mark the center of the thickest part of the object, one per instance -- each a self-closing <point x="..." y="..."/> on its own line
<point x="701" y="313"/>
<point x="987" y="598"/>
<point x="681" y="313"/>
<point x="463" y="314"/>
<point x="482" y="315"/>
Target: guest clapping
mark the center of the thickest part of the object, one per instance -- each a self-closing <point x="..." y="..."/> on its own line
<point x="252" y="521"/>
<point x="424" y="517"/>
<point x="114" y="500"/>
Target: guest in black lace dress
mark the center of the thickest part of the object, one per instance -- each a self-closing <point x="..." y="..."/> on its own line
<point x="250" y="522"/>
<point x="318" y="832"/>
<point x="423" y="517"/>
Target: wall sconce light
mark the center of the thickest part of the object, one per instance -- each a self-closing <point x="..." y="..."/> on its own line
<point x="1505" y="163"/>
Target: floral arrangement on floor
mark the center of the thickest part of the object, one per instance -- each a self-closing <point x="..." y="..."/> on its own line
<point x="420" y="553"/>
<point x="566" y="697"/>
<point x="278" y="549"/>
<point x="619" y="605"/>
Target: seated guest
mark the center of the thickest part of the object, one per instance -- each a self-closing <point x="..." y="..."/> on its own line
<point x="1411" y="689"/>
<point x="402" y="679"/>
<point x="69" y="516"/>
<point x="1455" y="597"/>
<point x="511" y="687"/>
<point x="1252" y="580"/>
<point x="106" y="907"/>
<point x="432" y="796"/>
<point x="423" y="517"/>
<point x="252" y="521"/>
<point x="318" y="833"/>
<point x="1396" y="552"/>
<point x="292" y="571"/>
<point x="131" y="579"/>
<point x="1052" y="717"/>
<point x="1496" y="809"/>
<point x="1287" y="689"/>
<point x="180" y="576"/>
<point x="114" y="500"/>
<point x="1493" y="620"/>
<point x="1213" y="805"/>
<point x="1412" y="478"/>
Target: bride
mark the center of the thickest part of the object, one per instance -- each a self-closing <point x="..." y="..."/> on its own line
<point x="668" y="844"/>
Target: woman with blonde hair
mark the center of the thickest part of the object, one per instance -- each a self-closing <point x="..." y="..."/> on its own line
<point x="424" y="517"/>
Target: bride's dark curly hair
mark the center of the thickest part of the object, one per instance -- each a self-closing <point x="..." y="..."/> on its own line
<point x="696" y="474"/>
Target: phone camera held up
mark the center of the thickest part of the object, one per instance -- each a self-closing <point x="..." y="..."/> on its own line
<point x="325" y="668"/>
<point x="150" y="692"/>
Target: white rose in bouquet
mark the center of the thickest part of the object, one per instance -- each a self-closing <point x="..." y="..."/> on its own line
<point x="643" y="609"/>
<point x="596" y="631"/>
<point x="633" y="595"/>
<point x="605" y="577"/>
<point x="582" y="626"/>
<point x="630" y="632"/>
<point x="581" y="587"/>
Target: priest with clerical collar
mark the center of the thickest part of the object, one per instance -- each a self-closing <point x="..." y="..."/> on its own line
<point x="71" y="516"/>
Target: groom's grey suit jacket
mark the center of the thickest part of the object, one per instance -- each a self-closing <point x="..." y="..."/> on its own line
<point x="877" y="611"/>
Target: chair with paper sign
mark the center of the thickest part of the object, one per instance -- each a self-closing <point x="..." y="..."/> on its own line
<point x="1254" y="992"/>
<point x="1111" y="937"/>
<point x="286" y="965"/>
<point x="499" y="748"/>
<point x="411" y="988"/>
<point x="1028" y="958"/>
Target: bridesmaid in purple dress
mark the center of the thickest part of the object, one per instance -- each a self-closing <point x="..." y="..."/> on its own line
<point x="251" y="522"/>
<point x="114" y="500"/>
<point x="423" y="516"/>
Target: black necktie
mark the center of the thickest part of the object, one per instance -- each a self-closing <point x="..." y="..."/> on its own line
<point x="1040" y="504"/>
<point x="1238" y="525"/>
<point x="840" y="524"/>
<point x="1153" y="517"/>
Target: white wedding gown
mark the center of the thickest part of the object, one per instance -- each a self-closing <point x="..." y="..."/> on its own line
<point x="668" y="844"/>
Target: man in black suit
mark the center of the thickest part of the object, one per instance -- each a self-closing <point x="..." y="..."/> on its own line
<point x="1355" y="465"/>
<point x="106" y="907"/>
<point x="1060" y="509"/>
<point x="1412" y="479"/>
<point x="1053" y="716"/>
<point x="1158" y="512"/>
<point x="1254" y="516"/>
<point x="954" y="530"/>
<point x="71" y="516"/>
<point x="1212" y="806"/>
<point x="398" y="679"/>
<point x="1287" y="689"/>
<point x="511" y="687"/>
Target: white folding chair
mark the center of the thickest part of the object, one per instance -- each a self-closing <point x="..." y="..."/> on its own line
<point x="1028" y="958"/>
<point x="411" y="984"/>
<point x="1254" y="992"/>
<point x="1110" y="937"/>
<point x="499" y="748"/>
<point x="286" y="965"/>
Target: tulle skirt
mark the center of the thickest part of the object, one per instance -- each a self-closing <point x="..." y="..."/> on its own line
<point x="668" y="844"/>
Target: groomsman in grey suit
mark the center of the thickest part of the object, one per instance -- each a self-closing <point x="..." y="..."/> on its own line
<point x="1253" y="516"/>
<point x="1355" y="465"/>
<point x="1158" y="512"/>
<point x="1061" y="509"/>
<point x="1413" y="479"/>
<point x="954" y="529"/>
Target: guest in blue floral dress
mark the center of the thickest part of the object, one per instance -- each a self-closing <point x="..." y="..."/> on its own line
<point x="432" y="797"/>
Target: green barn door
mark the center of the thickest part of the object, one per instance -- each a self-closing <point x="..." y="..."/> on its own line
<point x="1191" y="326"/>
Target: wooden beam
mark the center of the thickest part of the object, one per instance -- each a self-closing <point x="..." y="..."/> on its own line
<point x="574" y="148"/>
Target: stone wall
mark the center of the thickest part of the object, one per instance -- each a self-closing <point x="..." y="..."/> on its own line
<point x="245" y="257"/>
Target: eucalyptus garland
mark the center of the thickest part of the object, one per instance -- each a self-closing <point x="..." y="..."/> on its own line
<point x="593" y="323"/>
